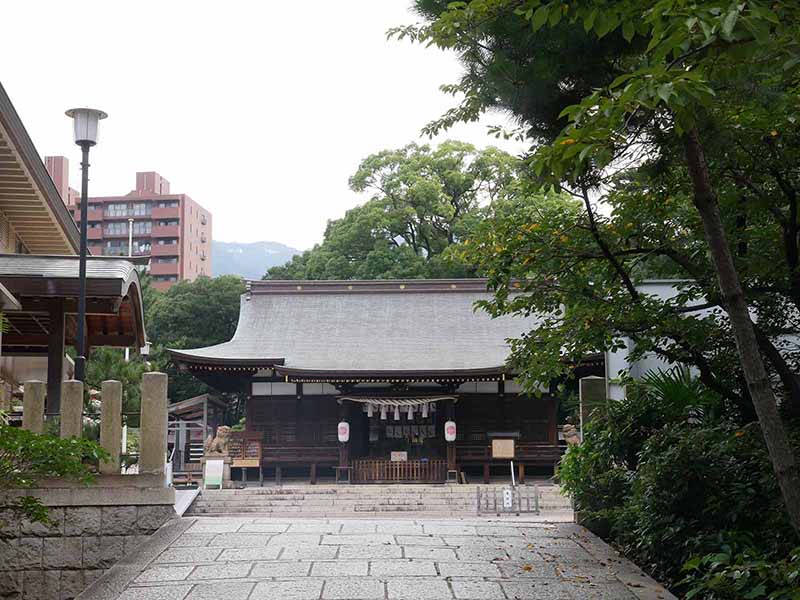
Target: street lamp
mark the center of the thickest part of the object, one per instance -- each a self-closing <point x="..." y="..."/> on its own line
<point x="85" y="121"/>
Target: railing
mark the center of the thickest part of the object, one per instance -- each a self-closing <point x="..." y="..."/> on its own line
<point x="378" y="470"/>
<point x="302" y="455"/>
<point x="544" y="454"/>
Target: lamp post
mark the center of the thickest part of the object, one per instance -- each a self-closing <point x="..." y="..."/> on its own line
<point x="85" y="121"/>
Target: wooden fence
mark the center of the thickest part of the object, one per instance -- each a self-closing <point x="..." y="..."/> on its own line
<point x="410" y="471"/>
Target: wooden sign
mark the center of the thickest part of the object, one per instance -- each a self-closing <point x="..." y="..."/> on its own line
<point x="399" y="456"/>
<point x="502" y="448"/>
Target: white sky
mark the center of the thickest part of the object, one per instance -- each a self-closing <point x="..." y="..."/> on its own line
<point x="259" y="110"/>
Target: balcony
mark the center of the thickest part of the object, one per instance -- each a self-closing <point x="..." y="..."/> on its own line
<point x="166" y="213"/>
<point x="163" y="268"/>
<point x="169" y="231"/>
<point x="165" y="250"/>
<point x="95" y="233"/>
<point x="92" y="215"/>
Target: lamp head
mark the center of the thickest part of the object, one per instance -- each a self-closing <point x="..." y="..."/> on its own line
<point x="85" y="121"/>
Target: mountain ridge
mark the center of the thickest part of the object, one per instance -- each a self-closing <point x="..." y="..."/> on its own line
<point x="248" y="259"/>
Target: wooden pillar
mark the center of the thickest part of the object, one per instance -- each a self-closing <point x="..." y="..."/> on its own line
<point x="33" y="406"/>
<point x="344" y="448"/>
<point x="111" y="425"/>
<point x="55" y="355"/>
<point x="451" y="446"/>
<point x="521" y="475"/>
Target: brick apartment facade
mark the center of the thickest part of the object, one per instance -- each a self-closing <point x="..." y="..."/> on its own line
<point x="172" y="228"/>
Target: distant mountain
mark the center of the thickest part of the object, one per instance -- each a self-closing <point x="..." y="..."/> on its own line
<point x="248" y="260"/>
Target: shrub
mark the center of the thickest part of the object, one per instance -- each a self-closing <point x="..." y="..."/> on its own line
<point x="733" y="574"/>
<point x="668" y="481"/>
<point x="26" y="457"/>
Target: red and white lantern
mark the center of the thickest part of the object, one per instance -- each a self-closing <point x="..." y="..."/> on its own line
<point x="344" y="432"/>
<point x="450" y="431"/>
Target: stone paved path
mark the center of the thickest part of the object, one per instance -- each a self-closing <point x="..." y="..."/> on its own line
<point x="397" y="559"/>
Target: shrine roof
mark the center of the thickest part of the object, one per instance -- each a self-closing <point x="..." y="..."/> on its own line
<point x="365" y="327"/>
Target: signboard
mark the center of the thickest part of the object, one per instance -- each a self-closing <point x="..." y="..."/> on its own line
<point x="502" y="448"/>
<point x="399" y="456"/>
<point x="213" y="473"/>
<point x="450" y="431"/>
<point x="344" y="432"/>
<point x="508" y="499"/>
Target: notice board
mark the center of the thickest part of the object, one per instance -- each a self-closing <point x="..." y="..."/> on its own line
<point x="502" y="448"/>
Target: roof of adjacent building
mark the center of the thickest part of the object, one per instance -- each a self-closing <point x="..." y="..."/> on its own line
<point x="365" y="327"/>
<point x="28" y="197"/>
<point x="114" y="300"/>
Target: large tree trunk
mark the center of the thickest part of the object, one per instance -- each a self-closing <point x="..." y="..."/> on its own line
<point x="780" y="450"/>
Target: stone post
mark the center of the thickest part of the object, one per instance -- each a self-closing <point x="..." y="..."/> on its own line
<point x="153" y="426"/>
<point x="71" y="408"/>
<point x="33" y="406"/>
<point x="111" y="425"/>
<point x="5" y="397"/>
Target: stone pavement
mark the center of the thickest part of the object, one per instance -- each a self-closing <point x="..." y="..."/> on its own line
<point x="369" y="559"/>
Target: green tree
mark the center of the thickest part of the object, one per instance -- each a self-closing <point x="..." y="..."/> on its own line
<point x="192" y="314"/>
<point x="423" y="201"/>
<point x="704" y="106"/>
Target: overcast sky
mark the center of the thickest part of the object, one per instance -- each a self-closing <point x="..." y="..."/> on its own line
<point x="260" y="111"/>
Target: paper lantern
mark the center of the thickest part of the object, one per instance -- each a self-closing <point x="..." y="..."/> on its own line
<point x="410" y="413"/>
<point x="369" y="410"/>
<point x="383" y="413"/>
<point x="396" y="413"/>
<point x="425" y="411"/>
<point x="450" y="431"/>
<point x="344" y="432"/>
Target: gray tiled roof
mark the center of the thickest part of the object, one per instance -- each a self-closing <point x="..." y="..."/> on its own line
<point x="377" y="331"/>
<point x="64" y="267"/>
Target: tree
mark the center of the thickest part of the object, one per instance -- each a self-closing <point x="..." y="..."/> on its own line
<point x="110" y="363"/>
<point x="192" y="314"/>
<point x="423" y="201"/>
<point x="705" y="96"/>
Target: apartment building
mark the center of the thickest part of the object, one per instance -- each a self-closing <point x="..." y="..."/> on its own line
<point x="172" y="228"/>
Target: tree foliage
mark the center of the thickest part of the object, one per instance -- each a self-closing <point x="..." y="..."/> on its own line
<point x="192" y="314"/>
<point x="27" y="457"/>
<point x="423" y="200"/>
<point x="691" y="144"/>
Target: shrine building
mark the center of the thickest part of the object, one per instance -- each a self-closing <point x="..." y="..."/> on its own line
<point x="379" y="381"/>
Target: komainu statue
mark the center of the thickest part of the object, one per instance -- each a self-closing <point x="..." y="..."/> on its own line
<point x="219" y="443"/>
<point x="571" y="435"/>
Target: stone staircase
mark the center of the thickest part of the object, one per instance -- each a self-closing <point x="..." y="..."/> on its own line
<point x="358" y="500"/>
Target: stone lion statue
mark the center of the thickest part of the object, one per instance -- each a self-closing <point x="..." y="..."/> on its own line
<point x="219" y="443"/>
<point x="571" y="435"/>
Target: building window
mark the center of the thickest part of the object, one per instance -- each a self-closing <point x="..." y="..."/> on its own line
<point x="116" y="228"/>
<point x="167" y="204"/>
<point x="140" y="227"/>
<point x="169" y="278"/>
<point x="167" y="241"/>
<point x="141" y="209"/>
<point x="166" y="260"/>
<point x="168" y="222"/>
<point x="117" y="209"/>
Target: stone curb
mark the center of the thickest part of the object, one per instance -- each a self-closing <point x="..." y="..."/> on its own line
<point x="117" y="578"/>
<point x="635" y="580"/>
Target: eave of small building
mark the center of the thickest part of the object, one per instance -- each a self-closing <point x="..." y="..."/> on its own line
<point x="28" y="197"/>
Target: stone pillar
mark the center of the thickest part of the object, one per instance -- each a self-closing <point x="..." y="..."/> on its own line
<point x="111" y="425"/>
<point x="5" y="397"/>
<point x="153" y="426"/>
<point x="71" y="408"/>
<point x="33" y="406"/>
